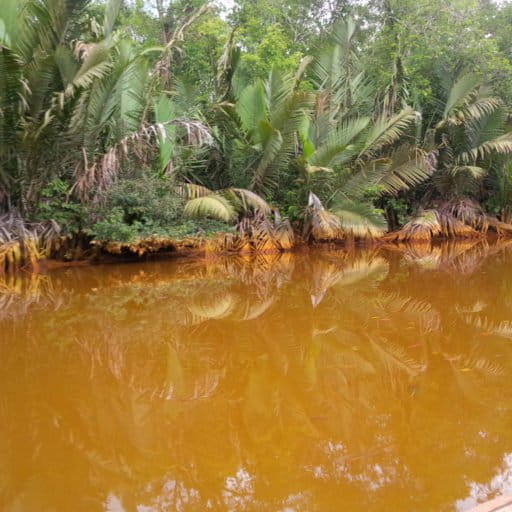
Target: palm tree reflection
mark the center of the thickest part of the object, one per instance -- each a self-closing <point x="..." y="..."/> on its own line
<point x="377" y="379"/>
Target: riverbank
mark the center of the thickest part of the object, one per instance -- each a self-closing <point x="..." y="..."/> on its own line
<point x="40" y="249"/>
<point x="121" y="253"/>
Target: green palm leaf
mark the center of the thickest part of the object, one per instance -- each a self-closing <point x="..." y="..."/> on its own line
<point x="501" y="146"/>
<point x="111" y="12"/>
<point x="359" y="220"/>
<point x="250" y="199"/>
<point x="213" y="205"/>
<point x="340" y="147"/>
<point x="95" y="67"/>
<point x="193" y="191"/>
<point x="251" y="107"/>
<point x="387" y="131"/>
<point x="272" y="142"/>
<point x="408" y="167"/>
<point x="460" y="93"/>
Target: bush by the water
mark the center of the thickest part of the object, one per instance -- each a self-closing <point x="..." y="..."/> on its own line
<point x="146" y="207"/>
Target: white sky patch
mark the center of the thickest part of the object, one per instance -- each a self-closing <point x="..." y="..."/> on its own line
<point x="226" y="6"/>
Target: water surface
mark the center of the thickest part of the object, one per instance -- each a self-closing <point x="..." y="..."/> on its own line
<point x="373" y="380"/>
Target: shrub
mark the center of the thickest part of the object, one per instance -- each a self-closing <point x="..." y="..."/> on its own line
<point x="146" y="207"/>
<point x="55" y="205"/>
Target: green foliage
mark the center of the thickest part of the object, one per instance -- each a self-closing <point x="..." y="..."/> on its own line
<point x="55" y="205"/>
<point x="270" y="49"/>
<point x="147" y="199"/>
<point x="268" y="116"/>
<point x="277" y="102"/>
<point x="137" y="208"/>
<point x="114" y="227"/>
<point x="202" y="52"/>
<point x="399" y="207"/>
<point x="499" y="200"/>
<point x="436" y="41"/>
<point x="146" y="207"/>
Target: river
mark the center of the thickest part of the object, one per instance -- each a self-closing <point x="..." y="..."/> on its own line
<point x="371" y="380"/>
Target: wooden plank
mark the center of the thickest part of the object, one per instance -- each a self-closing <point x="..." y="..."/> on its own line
<point x="501" y="504"/>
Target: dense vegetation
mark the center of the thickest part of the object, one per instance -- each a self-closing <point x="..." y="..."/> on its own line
<point x="123" y="121"/>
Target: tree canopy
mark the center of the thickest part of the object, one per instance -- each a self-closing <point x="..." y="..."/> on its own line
<point x="338" y="115"/>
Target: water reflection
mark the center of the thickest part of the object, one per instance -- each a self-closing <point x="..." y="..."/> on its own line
<point x="374" y="380"/>
<point x="500" y="484"/>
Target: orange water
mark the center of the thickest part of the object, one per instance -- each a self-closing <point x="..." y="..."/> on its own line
<point x="329" y="381"/>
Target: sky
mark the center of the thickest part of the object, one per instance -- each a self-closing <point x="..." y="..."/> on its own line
<point x="226" y="4"/>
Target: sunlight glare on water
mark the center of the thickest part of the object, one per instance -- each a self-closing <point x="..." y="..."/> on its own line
<point x="374" y="380"/>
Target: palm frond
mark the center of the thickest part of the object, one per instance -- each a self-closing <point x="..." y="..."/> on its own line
<point x="279" y="138"/>
<point x="408" y="168"/>
<point x="213" y="205"/>
<point x="359" y="220"/>
<point x="460" y="93"/>
<point x="341" y="145"/>
<point x="322" y="224"/>
<point x="500" y="146"/>
<point x="193" y="191"/>
<point x="405" y="168"/>
<point x="95" y="67"/>
<point x="250" y="199"/>
<point x="262" y="234"/>
<point x="385" y="131"/>
<point x="272" y="144"/>
<point x="480" y="108"/>
<point x="111" y="12"/>
<point x="164" y="112"/>
<point x="278" y="87"/>
<point x="251" y="107"/>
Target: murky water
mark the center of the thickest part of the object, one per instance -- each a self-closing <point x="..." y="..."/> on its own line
<point x="367" y="381"/>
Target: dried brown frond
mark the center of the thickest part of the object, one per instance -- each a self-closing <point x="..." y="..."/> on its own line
<point x="423" y="228"/>
<point x="430" y="225"/>
<point x="503" y="229"/>
<point x="283" y="233"/>
<point x="321" y="224"/>
<point x="94" y="179"/>
<point x="467" y="211"/>
<point x="23" y="244"/>
<point x="196" y="133"/>
<point x="455" y="228"/>
<point x="259" y="233"/>
<point x="81" y="49"/>
<point x="263" y="233"/>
